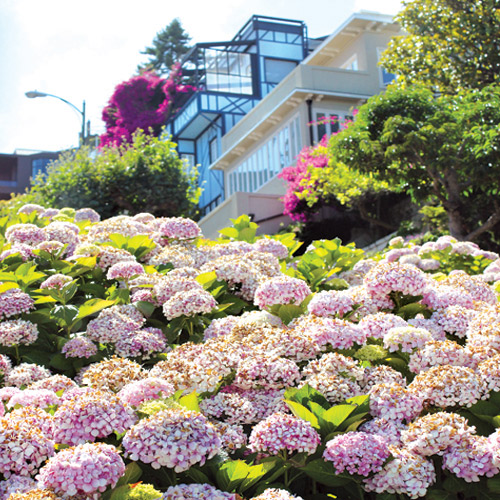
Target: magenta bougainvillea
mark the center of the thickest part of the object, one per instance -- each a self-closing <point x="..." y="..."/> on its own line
<point x="142" y="102"/>
<point x="297" y="175"/>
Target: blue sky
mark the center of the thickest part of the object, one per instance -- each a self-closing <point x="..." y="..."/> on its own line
<point x="82" y="50"/>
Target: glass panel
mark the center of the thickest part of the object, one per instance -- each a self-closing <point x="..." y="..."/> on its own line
<point x="213" y="149"/>
<point x="334" y="124"/>
<point x="245" y="65"/>
<point x="277" y="69"/>
<point x="286" y="151"/>
<point x="223" y="83"/>
<point x="293" y="140"/>
<point x="244" y="176"/>
<point x="281" y="50"/>
<point x="298" y="135"/>
<point x="279" y="36"/>
<point x="246" y="85"/>
<point x="212" y="81"/>
<point x="275" y="156"/>
<point x="320" y="125"/>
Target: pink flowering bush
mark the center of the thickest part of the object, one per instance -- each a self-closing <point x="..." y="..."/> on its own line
<point x="232" y="369"/>
<point x="142" y="102"/>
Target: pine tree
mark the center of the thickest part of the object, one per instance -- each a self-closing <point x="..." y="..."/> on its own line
<point x="168" y="47"/>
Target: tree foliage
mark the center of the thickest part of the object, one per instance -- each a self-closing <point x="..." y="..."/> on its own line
<point x="144" y="176"/>
<point x="445" y="148"/>
<point x="451" y="44"/>
<point x="318" y="179"/>
<point x="142" y="102"/>
<point x="169" y="45"/>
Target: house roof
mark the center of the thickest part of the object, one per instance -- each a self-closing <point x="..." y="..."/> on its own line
<point x="343" y="35"/>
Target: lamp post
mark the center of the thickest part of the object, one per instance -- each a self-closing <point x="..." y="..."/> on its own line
<point x="34" y="93"/>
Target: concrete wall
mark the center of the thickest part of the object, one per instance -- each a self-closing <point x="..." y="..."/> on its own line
<point x="267" y="211"/>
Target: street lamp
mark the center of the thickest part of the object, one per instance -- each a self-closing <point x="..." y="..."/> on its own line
<point x="34" y="93"/>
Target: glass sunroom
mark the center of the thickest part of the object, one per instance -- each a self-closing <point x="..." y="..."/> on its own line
<point x="230" y="79"/>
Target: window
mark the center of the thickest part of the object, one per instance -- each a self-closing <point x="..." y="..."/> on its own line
<point x="39" y="166"/>
<point x="228" y="71"/>
<point x="385" y="76"/>
<point x="268" y="161"/>
<point x="213" y="149"/>
<point x="277" y="69"/>
<point x="327" y="123"/>
<point x="190" y="161"/>
<point x="351" y="63"/>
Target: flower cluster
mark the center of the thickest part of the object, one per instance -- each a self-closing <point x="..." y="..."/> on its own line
<point x="13" y="302"/>
<point x="87" y="416"/>
<point x="17" y="331"/>
<point x="283" y="433"/>
<point x="83" y="470"/>
<point x="281" y="290"/>
<point x="198" y="491"/>
<point x="176" y="439"/>
<point x="357" y="453"/>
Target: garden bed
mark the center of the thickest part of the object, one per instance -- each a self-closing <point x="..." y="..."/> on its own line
<point x="140" y="360"/>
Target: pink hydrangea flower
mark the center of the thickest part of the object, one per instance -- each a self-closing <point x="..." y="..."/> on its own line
<point x="357" y="453"/>
<point x="283" y="433"/>
<point x="17" y="331"/>
<point x="175" y="438"/>
<point x="188" y="304"/>
<point x="393" y="402"/>
<point x="437" y="353"/>
<point x="23" y="448"/>
<point x="13" y="302"/>
<point x="26" y="234"/>
<point x="198" y="491"/>
<point x="406" y="339"/>
<point x="266" y="371"/>
<point x="83" y="470"/>
<point x="471" y="459"/>
<point x="26" y="374"/>
<point x="447" y="386"/>
<point x="180" y="228"/>
<point x="387" y="277"/>
<point x="56" y="281"/>
<point x="407" y="474"/>
<point x="114" y="322"/>
<point x="141" y="343"/>
<point x="281" y="290"/>
<point x="89" y="416"/>
<point x="79" y="347"/>
<point x="30" y="208"/>
<point x="38" y="398"/>
<point x="87" y="214"/>
<point x="331" y="303"/>
<point x="124" y="270"/>
<point x="276" y="494"/>
<point x="433" y="434"/>
<point x="238" y="406"/>
<point x="135" y="393"/>
<point x="274" y="247"/>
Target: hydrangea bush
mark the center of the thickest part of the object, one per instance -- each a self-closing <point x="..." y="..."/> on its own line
<point x="140" y="360"/>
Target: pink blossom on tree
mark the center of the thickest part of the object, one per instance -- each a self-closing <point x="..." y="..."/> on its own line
<point x="143" y="102"/>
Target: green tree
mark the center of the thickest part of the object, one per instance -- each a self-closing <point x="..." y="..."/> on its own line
<point x="445" y="148"/>
<point x="451" y="44"/>
<point x="169" y="45"/>
<point x="144" y="176"/>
